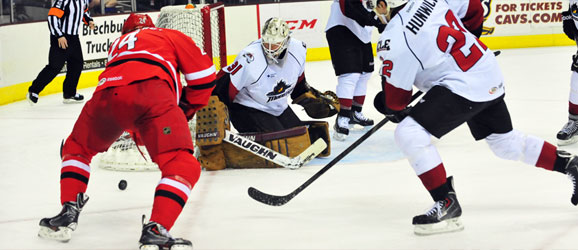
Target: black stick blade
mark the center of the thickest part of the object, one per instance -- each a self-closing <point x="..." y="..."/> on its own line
<point x="272" y="200"/>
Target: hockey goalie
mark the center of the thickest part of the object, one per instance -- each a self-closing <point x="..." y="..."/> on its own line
<point x="253" y="94"/>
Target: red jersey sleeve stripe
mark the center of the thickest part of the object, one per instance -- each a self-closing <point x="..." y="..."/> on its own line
<point x="201" y="74"/>
<point x="203" y="80"/>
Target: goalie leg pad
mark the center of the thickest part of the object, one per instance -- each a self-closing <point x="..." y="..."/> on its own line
<point x="290" y="142"/>
<point x="213" y="157"/>
<point x="320" y="129"/>
<point x="212" y="121"/>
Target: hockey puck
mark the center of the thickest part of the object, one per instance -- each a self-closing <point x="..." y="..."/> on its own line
<point x="122" y="185"/>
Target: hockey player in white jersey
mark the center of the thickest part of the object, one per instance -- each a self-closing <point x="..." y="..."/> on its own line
<point x="569" y="133"/>
<point x="348" y="33"/>
<point x="257" y="85"/>
<point x="256" y="88"/>
<point x="425" y="45"/>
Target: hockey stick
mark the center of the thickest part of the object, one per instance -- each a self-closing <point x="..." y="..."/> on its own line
<point x="271" y="155"/>
<point x="277" y="200"/>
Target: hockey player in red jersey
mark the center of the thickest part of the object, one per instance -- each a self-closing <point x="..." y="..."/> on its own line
<point x="140" y="90"/>
<point x="426" y="45"/>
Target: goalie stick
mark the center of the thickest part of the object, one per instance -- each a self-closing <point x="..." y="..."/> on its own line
<point x="279" y="200"/>
<point x="271" y="155"/>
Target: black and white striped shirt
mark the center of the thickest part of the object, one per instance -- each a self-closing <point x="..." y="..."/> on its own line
<point x="66" y="16"/>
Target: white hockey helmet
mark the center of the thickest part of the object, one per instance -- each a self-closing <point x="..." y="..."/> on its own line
<point x="275" y="37"/>
<point x="395" y="3"/>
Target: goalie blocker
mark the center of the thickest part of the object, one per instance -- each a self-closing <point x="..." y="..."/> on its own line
<point x="213" y="125"/>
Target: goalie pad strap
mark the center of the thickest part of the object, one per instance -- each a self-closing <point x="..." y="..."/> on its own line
<point x="263" y="137"/>
<point x="290" y="142"/>
<point x="320" y="129"/>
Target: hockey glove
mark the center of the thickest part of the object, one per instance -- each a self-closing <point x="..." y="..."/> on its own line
<point x="318" y="105"/>
<point x="393" y="115"/>
<point x="187" y="109"/>
<point x="575" y="62"/>
<point x="379" y="23"/>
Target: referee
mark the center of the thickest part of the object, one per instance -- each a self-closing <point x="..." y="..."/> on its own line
<point x="64" y="20"/>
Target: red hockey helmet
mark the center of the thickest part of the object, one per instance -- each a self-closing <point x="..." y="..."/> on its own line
<point x="136" y="21"/>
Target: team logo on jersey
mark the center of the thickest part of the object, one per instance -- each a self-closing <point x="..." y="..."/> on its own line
<point x="493" y="90"/>
<point x="383" y="45"/>
<point x="279" y="91"/>
<point x="249" y="57"/>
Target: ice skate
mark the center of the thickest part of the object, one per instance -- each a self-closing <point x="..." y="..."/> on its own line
<point x="360" y="119"/>
<point x="60" y="227"/>
<point x="341" y="128"/>
<point x="568" y="134"/>
<point x="78" y="98"/>
<point x="443" y="217"/>
<point x="572" y="173"/>
<point x="156" y="237"/>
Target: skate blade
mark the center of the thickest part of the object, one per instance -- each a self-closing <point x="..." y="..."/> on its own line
<point x="356" y="128"/>
<point x="63" y="234"/>
<point x="572" y="140"/>
<point x="174" y="247"/>
<point x="451" y="225"/>
<point x="339" y="137"/>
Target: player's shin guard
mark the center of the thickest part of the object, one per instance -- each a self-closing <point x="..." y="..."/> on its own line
<point x="74" y="176"/>
<point x="170" y="198"/>
<point x="180" y="172"/>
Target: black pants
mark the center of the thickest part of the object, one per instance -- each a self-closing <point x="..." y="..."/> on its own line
<point x="443" y="111"/>
<point x="246" y="119"/>
<point x="56" y="58"/>
<point x="348" y="53"/>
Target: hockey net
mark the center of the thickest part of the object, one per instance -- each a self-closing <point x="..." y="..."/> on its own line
<point x="205" y="24"/>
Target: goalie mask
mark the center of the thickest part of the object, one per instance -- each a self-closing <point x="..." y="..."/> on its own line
<point x="275" y="38"/>
<point x="136" y="21"/>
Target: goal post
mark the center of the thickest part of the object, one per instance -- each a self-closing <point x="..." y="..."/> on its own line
<point x="205" y="24"/>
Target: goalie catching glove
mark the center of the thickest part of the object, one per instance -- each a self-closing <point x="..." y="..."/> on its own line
<point x="318" y="105"/>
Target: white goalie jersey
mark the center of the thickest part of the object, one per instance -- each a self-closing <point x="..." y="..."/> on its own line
<point x="425" y="45"/>
<point x="266" y="86"/>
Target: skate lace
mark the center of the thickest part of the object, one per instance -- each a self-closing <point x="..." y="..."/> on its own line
<point x="573" y="180"/>
<point x="359" y="116"/>
<point x="343" y="122"/>
<point x="570" y="127"/>
<point x="164" y="231"/>
<point x="436" y="209"/>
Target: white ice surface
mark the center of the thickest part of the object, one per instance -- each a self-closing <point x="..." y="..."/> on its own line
<point x="364" y="202"/>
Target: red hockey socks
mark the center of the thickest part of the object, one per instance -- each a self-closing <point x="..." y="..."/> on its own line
<point x="170" y="198"/>
<point x="74" y="176"/>
<point x="434" y="181"/>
